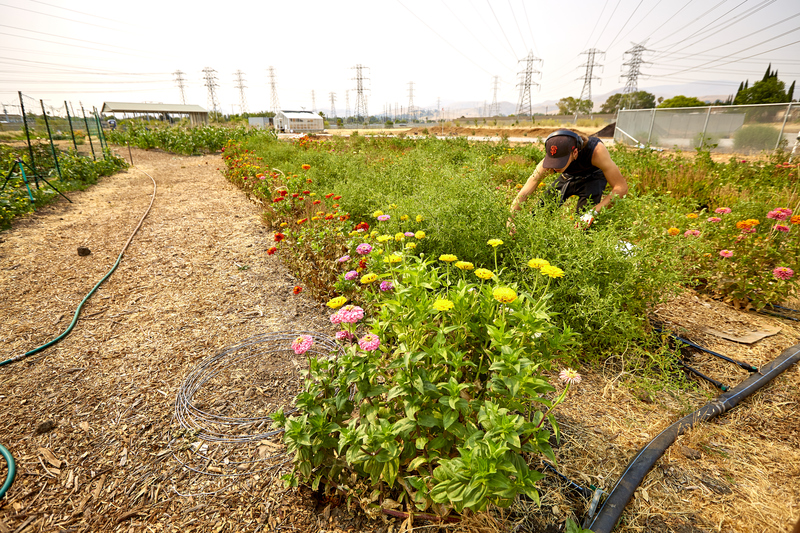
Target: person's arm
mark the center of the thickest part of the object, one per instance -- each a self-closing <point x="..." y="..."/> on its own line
<point x="530" y="186"/>
<point x="619" y="185"/>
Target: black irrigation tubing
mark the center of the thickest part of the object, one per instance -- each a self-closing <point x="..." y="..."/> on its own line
<point x="586" y="493"/>
<point x="638" y="468"/>
<point x="91" y="292"/>
<point x="746" y="366"/>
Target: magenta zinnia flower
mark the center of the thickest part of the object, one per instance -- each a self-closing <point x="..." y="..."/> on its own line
<point x="387" y="286"/>
<point x="350" y="276"/>
<point x="384" y="218"/>
<point x="369" y="342"/>
<point x="409" y="234"/>
<point x="691" y="233"/>
<point x="351" y="314"/>
<point x="714" y="219"/>
<point x="336" y="318"/>
<point x="723" y="210"/>
<point x="302" y="343"/>
<point x="343" y="335"/>
<point x="343" y="259"/>
<point x="783" y="273"/>
<point x="364" y="248"/>
<point x="781" y="227"/>
<point x="569" y="376"/>
<point x="726" y="253"/>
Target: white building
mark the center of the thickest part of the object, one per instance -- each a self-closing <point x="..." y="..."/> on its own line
<point x="298" y="121"/>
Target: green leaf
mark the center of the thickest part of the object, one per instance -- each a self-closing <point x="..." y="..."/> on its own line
<point x="416" y="463"/>
<point x="390" y="470"/>
<point x="449" y="417"/>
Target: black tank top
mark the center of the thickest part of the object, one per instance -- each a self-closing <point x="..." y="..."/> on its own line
<point x="582" y="166"/>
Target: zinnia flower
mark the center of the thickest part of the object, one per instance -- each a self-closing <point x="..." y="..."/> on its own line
<point x="272" y="251"/>
<point x="673" y="231"/>
<point x="393" y="258"/>
<point x="301" y="344"/>
<point x="781" y="227"/>
<point x="351" y="314"/>
<point x="364" y="248"/>
<point x="369" y="342"/>
<point x="411" y="245"/>
<point x="484" y="273"/>
<point x="722" y="210"/>
<point x="343" y="259"/>
<point x="691" y="233"/>
<point x="384" y="238"/>
<point x="726" y="253"/>
<point x="399" y="237"/>
<point x="552" y="271"/>
<point x="538" y="263"/>
<point x="350" y="276"/>
<point x="795" y="219"/>
<point x="442" y="305"/>
<point x="504" y="295"/>
<point x="714" y="219"/>
<point x="494" y="243"/>
<point x="343" y="335"/>
<point x="336" y="303"/>
<point x="387" y="286"/>
<point x="783" y="273"/>
<point x="691" y="215"/>
<point x="569" y="376"/>
<point x="420" y="235"/>
<point x="279" y="237"/>
<point x="306" y="167"/>
<point x="384" y="218"/>
<point x="448" y="258"/>
<point x="277" y="199"/>
<point x="409" y="234"/>
<point x="376" y="214"/>
<point x="302" y="221"/>
<point x="369" y="278"/>
<point x="419" y="218"/>
<point x="464" y="265"/>
<point x="404" y="217"/>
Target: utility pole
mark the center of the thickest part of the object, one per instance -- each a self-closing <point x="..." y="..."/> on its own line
<point x="211" y="84"/>
<point x="411" y="100"/>
<point x="241" y="86"/>
<point x="179" y="79"/>
<point x="439" y="107"/>
<point x="361" y="100"/>
<point x="333" y="104"/>
<point x="633" y="64"/>
<point x="346" y="104"/>
<point x="526" y="76"/>
<point x="495" y="109"/>
<point x="588" y="77"/>
<point x="274" y="105"/>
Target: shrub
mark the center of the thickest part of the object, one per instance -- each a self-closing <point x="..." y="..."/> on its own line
<point x="755" y="137"/>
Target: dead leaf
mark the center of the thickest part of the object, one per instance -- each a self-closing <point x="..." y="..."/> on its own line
<point x="645" y="495"/>
<point x="50" y="458"/>
<point x="123" y="460"/>
<point x="84" y="426"/>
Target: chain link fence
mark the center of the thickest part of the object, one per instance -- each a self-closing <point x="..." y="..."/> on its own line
<point x="744" y="129"/>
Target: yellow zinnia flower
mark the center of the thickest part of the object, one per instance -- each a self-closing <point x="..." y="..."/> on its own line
<point x="336" y="303"/>
<point x="484" y="273"/>
<point x="373" y="234"/>
<point x="399" y="237"/>
<point x="393" y="258"/>
<point x="384" y="238"/>
<point x="494" y="243"/>
<point x="376" y="214"/>
<point x="538" y="263"/>
<point x="673" y="231"/>
<point x="284" y="224"/>
<point x="404" y="218"/>
<point x="420" y="235"/>
<point x="464" y="265"/>
<point x="442" y="305"/>
<point x="419" y="218"/>
<point x="553" y="272"/>
<point x="691" y="215"/>
<point x="448" y="258"/>
<point x="411" y="245"/>
<point x="368" y="278"/>
<point x="504" y="295"/>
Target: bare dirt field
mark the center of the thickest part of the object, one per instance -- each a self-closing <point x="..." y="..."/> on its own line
<point x="91" y="421"/>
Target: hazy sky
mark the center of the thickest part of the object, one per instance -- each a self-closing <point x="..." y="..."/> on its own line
<point x="92" y="51"/>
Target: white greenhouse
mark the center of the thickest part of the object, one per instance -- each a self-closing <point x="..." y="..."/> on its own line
<point x="298" y="121"/>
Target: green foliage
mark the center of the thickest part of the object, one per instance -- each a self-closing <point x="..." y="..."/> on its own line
<point x="634" y="100"/>
<point x="186" y="141"/>
<point x="767" y="91"/>
<point x="571" y="106"/>
<point x="756" y="137"/>
<point x="682" y="101"/>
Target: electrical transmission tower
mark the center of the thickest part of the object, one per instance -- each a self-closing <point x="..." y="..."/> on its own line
<point x="333" y="104"/>
<point x="274" y="105"/>
<point x="179" y="79"/>
<point x="411" y="100"/>
<point x="586" y="92"/>
<point x="241" y="86"/>
<point x="346" y="104"/>
<point x="495" y="109"/>
<point x="361" y="99"/>
<point x="526" y="76"/>
<point x="633" y="64"/>
<point x="211" y="84"/>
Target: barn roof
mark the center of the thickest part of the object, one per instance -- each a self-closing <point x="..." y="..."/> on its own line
<point x="135" y="107"/>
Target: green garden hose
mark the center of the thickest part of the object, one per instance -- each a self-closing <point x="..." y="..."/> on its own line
<point x="12" y="470"/>
<point x="80" y="306"/>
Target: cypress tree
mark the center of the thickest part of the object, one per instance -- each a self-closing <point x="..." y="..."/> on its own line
<point x="767" y="74"/>
<point x="790" y="93"/>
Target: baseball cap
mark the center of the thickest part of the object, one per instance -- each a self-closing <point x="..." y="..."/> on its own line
<point x="557" y="150"/>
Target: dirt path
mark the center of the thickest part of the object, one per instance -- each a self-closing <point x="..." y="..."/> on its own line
<point x="89" y="420"/>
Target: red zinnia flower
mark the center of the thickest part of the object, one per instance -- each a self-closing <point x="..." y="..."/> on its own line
<point x="302" y="220"/>
<point x="295" y="195"/>
<point x="308" y="180"/>
<point x="306" y="167"/>
<point x="277" y="199"/>
<point x="329" y="195"/>
<point x="315" y="202"/>
<point x="362" y="264"/>
<point x="272" y="251"/>
<point x="328" y="217"/>
<point x="279" y="237"/>
<point x="282" y="193"/>
<point x="297" y="289"/>
<point x="337" y="197"/>
<point x="306" y="192"/>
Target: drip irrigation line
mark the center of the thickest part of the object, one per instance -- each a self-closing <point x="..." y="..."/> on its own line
<point x="12" y="470"/>
<point x="746" y="366"/>
<point x="586" y="493"/>
<point x="638" y="468"/>
<point x="699" y="374"/>
<point x="91" y="292"/>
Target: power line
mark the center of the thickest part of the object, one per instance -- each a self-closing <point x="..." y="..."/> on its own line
<point x="589" y="76"/>
<point x="501" y="27"/>
<point x="361" y="102"/>
<point x="626" y="23"/>
<point x="684" y="26"/>
<point x="241" y="86"/>
<point x="81" y="12"/>
<point x="181" y="84"/>
<point x="530" y="29"/>
<point x="210" y="76"/>
<point x="54" y="16"/>
<point x="514" y="15"/>
<point x="596" y="22"/>
<point x="527" y="80"/>
<point x="606" y="26"/>
<point x="275" y="106"/>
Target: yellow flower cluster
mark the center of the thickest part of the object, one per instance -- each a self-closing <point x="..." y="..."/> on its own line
<point x="692" y="215"/>
<point x="419" y="218"/>
<point x="553" y="272"/>
<point x="494" y="243"/>
<point x="384" y="238"/>
<point x="442" y="305"/>
<point x="376" y="214"/>
<point x="538" y="263"/>
<point x="464" y="265"/>
<point x="419" y="235"/>
<point x="411" y="245"/>
<point x="448" y="258"/>
<point x="484" y="273"/>
<point x="673" y="231"/>
<point x="399" y="237"/>
<point x="336" y="303"/>
<point x="368" y="278"/>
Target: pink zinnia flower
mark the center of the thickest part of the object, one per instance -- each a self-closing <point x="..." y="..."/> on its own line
<point x="336" y="318"/>
<point x="691" y="233"/>
<point x="364" y="248"/>
<point x="409" y="234"/>
<point x="783" y="273"/>
<point x="369" y="342"/>
<point x="781" y="227"/>
<point x="351" y="314"/>
<point x="350" y="276"/>
<point x="384" y="218"/>
<point x="569" y="376"/>
<point x="387" y="286"/>
<point x="748" y="230"/>
<point x="343" y="335"/>
<point x="343" y="259"/>
<point x="302" y="343"/>
<point x="726" y="253"/>
<point x="782" y="213"/>
<point x="723" y="210"/>
<point x="714" y="219"/>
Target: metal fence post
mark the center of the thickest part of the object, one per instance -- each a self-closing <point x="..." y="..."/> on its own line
<point x="88" y="132"/>
<point x="783" y="126"/>
<point x="705" y="127"/>
<point x="50" y="136"/>
<point x="652" y="120"/>
<point x="71" y="130"/>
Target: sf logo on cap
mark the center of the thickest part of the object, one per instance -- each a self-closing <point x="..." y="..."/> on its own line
<point x="553" y="150"/>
